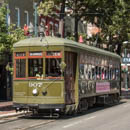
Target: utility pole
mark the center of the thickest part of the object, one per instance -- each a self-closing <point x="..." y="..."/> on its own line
<point x="76" y="22"/>
<point x="62" y="14"/>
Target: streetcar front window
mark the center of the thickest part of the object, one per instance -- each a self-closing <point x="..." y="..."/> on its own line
<point x="53" y="67"/>
<point x="20" y="68"/>
<point x="35" y="67"/>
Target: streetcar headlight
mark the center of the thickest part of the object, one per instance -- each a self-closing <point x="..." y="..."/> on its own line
<point x="35" y="92"/>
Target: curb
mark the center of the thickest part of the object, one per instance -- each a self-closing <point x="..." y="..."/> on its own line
<point x="125" y="97"/>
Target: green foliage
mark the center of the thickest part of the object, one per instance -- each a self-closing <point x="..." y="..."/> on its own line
<point x="46" y="8"/>
<point x="112" y="16"/>
<point x="8" y="35"/>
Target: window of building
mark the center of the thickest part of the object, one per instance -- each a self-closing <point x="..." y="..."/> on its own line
<point x="17" y="17"/>
<point x="26" y="18"/>
<point x="20" y="68"/>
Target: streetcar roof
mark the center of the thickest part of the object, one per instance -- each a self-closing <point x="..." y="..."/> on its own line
<point x="48" y="40"/>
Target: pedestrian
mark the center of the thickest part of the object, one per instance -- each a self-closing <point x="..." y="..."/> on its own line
<point x="26" y="30"/>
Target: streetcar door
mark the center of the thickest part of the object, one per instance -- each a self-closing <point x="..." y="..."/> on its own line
<point x="70" y="75"/>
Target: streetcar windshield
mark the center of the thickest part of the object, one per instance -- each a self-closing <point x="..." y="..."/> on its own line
<point x="53" y="67"/>
<point x="35" y="67"/>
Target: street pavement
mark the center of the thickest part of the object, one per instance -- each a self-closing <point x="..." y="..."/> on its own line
<point x="115" y="117"/>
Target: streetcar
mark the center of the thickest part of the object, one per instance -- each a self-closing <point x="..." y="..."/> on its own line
<point x="55" y="75"/>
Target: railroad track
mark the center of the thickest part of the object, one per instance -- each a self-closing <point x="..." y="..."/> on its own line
<point x="23" y="122"/>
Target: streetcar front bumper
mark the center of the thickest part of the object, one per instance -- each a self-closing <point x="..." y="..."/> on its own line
<point x="31" y="107"/>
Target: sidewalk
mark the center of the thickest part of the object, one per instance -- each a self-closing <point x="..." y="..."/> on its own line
<point x="7" y="110"/>
<point x="125" y="93"/>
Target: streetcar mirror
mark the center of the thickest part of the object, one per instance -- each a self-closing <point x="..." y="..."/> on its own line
<point x="9" y="68"/>
<point x="62" y="66"/>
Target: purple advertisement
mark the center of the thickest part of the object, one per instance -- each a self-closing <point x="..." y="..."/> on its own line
<point x="102" y="87"/>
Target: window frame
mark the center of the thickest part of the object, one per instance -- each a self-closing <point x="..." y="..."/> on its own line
<point x="53" y="57"/>
<point x="34" y="57"/>
<point x="16" y="58"/>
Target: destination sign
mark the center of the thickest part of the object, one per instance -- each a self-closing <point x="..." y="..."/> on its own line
<point x="18" y="54"/>
<point x="35" y="53"/>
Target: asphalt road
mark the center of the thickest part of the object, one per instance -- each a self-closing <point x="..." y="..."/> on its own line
<point x="116" y="117"/>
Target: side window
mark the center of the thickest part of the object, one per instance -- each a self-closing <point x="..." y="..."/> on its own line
<point x="20" y="68"/>
<point x="97" y="72"/>
<point x="20" y="64"/>
<point x="82" y="71"/>
<point x="86" y="71"/>
<point x="53" y="61"/>
<point x="110" y="73"/>
<point x="117" y="74"/>
<point x="90" y="72"/>
<point x="35" y="67"/>
<point x="93" y="73"/>
<point x="100" y="72"/>
<point x="53" y="67"/>
<point x="103" y="73"/>
<point x="113" y="73"/>
<point x="106" y="73"/>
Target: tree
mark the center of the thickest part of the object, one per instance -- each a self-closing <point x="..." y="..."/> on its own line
<point x="116" y="24"/>
<point x="8" y="35"/>
<point x="112" y="17"/>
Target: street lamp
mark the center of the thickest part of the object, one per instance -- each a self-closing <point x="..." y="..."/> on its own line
<point x="125" y="55"/>
<point x="35" y="17"/>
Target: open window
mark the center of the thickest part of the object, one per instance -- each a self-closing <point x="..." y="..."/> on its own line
<point x="53" y="67"/>
<point x="35" y="67"/>
<point x="53" y="61"/>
